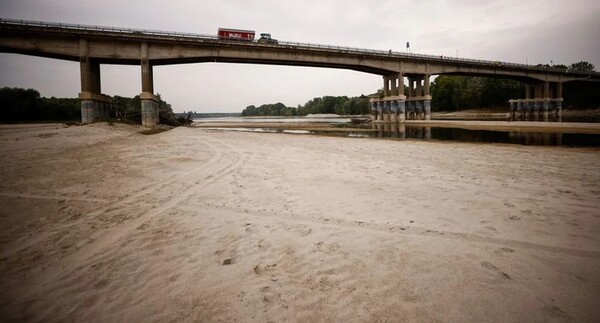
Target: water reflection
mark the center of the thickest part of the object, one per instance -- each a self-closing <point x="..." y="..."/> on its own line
<point x="538" y="139"/>
<point x="402" y="131"/>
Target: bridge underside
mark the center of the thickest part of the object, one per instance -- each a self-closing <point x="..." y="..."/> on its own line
<point x="392" y="106"/>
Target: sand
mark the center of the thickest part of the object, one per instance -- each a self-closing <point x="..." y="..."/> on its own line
<point x="103" y="224"/>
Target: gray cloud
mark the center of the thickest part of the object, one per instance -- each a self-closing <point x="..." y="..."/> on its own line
<point x="510" y="30"/>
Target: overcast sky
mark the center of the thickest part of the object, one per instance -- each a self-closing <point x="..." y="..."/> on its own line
<point x="536" y="31"/>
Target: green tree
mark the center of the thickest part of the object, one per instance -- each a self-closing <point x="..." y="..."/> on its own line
<point x="582" y="66"/>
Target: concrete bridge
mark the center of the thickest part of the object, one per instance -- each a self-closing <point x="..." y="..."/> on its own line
<point x="94" y="45"/>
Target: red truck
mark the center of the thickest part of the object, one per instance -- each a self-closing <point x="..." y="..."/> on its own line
<point x="236" y="34"/>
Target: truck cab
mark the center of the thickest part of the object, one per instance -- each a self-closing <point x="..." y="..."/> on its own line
<point x="266" y="39"/>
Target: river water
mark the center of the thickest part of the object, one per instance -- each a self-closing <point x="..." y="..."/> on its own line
<point x="340" y="127"/>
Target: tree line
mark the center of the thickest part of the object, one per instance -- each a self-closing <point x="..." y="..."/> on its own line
<point x="341" y="105"/>
<point x="22" y="105"/>
<point x="18" y="105"/>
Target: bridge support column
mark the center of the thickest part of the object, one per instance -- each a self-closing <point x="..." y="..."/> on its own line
<point x="427" y="98"/>
<point x="386" y="111"/>
<point x="401" y="110"/>
<point x="512" y="104"/>
<point x="427" y="108"/>
<point x="386" y="86"/>
<point x="149" y="109"/>
<point x="546" y="99"/>
<point x="559" y="99"/>
<point x="94" y="105"/>
<point x="419" y="87"/>
<point x="393" y="111"/>
<point x="379" y="111"/>
<point x="400" y="90"/>
<point x="150" y="113"/>
<point x="419" y="110"/>
<point x="373" y="110"/>
<point x="520" y="105"/>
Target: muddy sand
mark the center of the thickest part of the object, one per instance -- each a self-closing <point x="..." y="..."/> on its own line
<point x="101" y="223"/>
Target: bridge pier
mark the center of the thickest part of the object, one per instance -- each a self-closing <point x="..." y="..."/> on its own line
<point x="401" y="109"/>
<point x="547" y="100"/>
<point x="150" y="111"/>
<point x="390" y="108"/>
<point x="393" y="111"/>
<point x="379" y="111"/>
<point x="559" y="100"/>
<point x="419" y="97"/>
<point x="373" y="110"/>
<point x="94" y="105"/>
<point x="427" y="97"/>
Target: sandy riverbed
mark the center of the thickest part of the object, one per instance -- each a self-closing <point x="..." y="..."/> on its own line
<point x="101" y="223"/>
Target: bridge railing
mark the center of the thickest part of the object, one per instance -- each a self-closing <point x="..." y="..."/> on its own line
<point x="298" y="45"/>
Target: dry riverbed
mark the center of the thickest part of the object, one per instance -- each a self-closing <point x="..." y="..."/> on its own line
<point x="102" y="223"/>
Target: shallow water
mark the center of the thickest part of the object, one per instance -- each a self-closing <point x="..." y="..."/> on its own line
<point x="484" y="136"/>
<point x="411" y="132"/>
<point x="335" y="120"/>
<point x="446" y="134"/>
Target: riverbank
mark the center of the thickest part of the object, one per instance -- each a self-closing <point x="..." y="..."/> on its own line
<point x="102" y="223"/>
<point x="517" y="126"/>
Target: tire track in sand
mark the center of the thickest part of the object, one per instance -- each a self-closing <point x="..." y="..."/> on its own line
<point x="216" y="168"/>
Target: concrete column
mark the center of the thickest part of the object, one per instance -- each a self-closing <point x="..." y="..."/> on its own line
<point x="386" y="86"/>
<point x="393" y="86"/>
<point x="527" y="92"/>
<point x="89" y="111"/>
<point x="373" y="111"/>
<point x="400" y="83"/>
<point x="380" y="111"/>
<point x="147" y="77"/>
<point x="426" y="85"/>
<point x="559" y="90"/>
<point x="539" y="91"/>
<point x="90" y="75"/>
<point x="149" y="110"/>
<point x="427" y="108"/>
<point x="546" y="98"/>
<point x="411" y="87"/>
<point x="419" y="109"/>
<point x="401" y="111"/>
<point x="150" y="113"/>
<point x="386" y="111"/>
<point x="93" y="103"/>
<point x="90" y="86"/>
<point x="393" y="111"/>
<point x="419" y="87"/>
